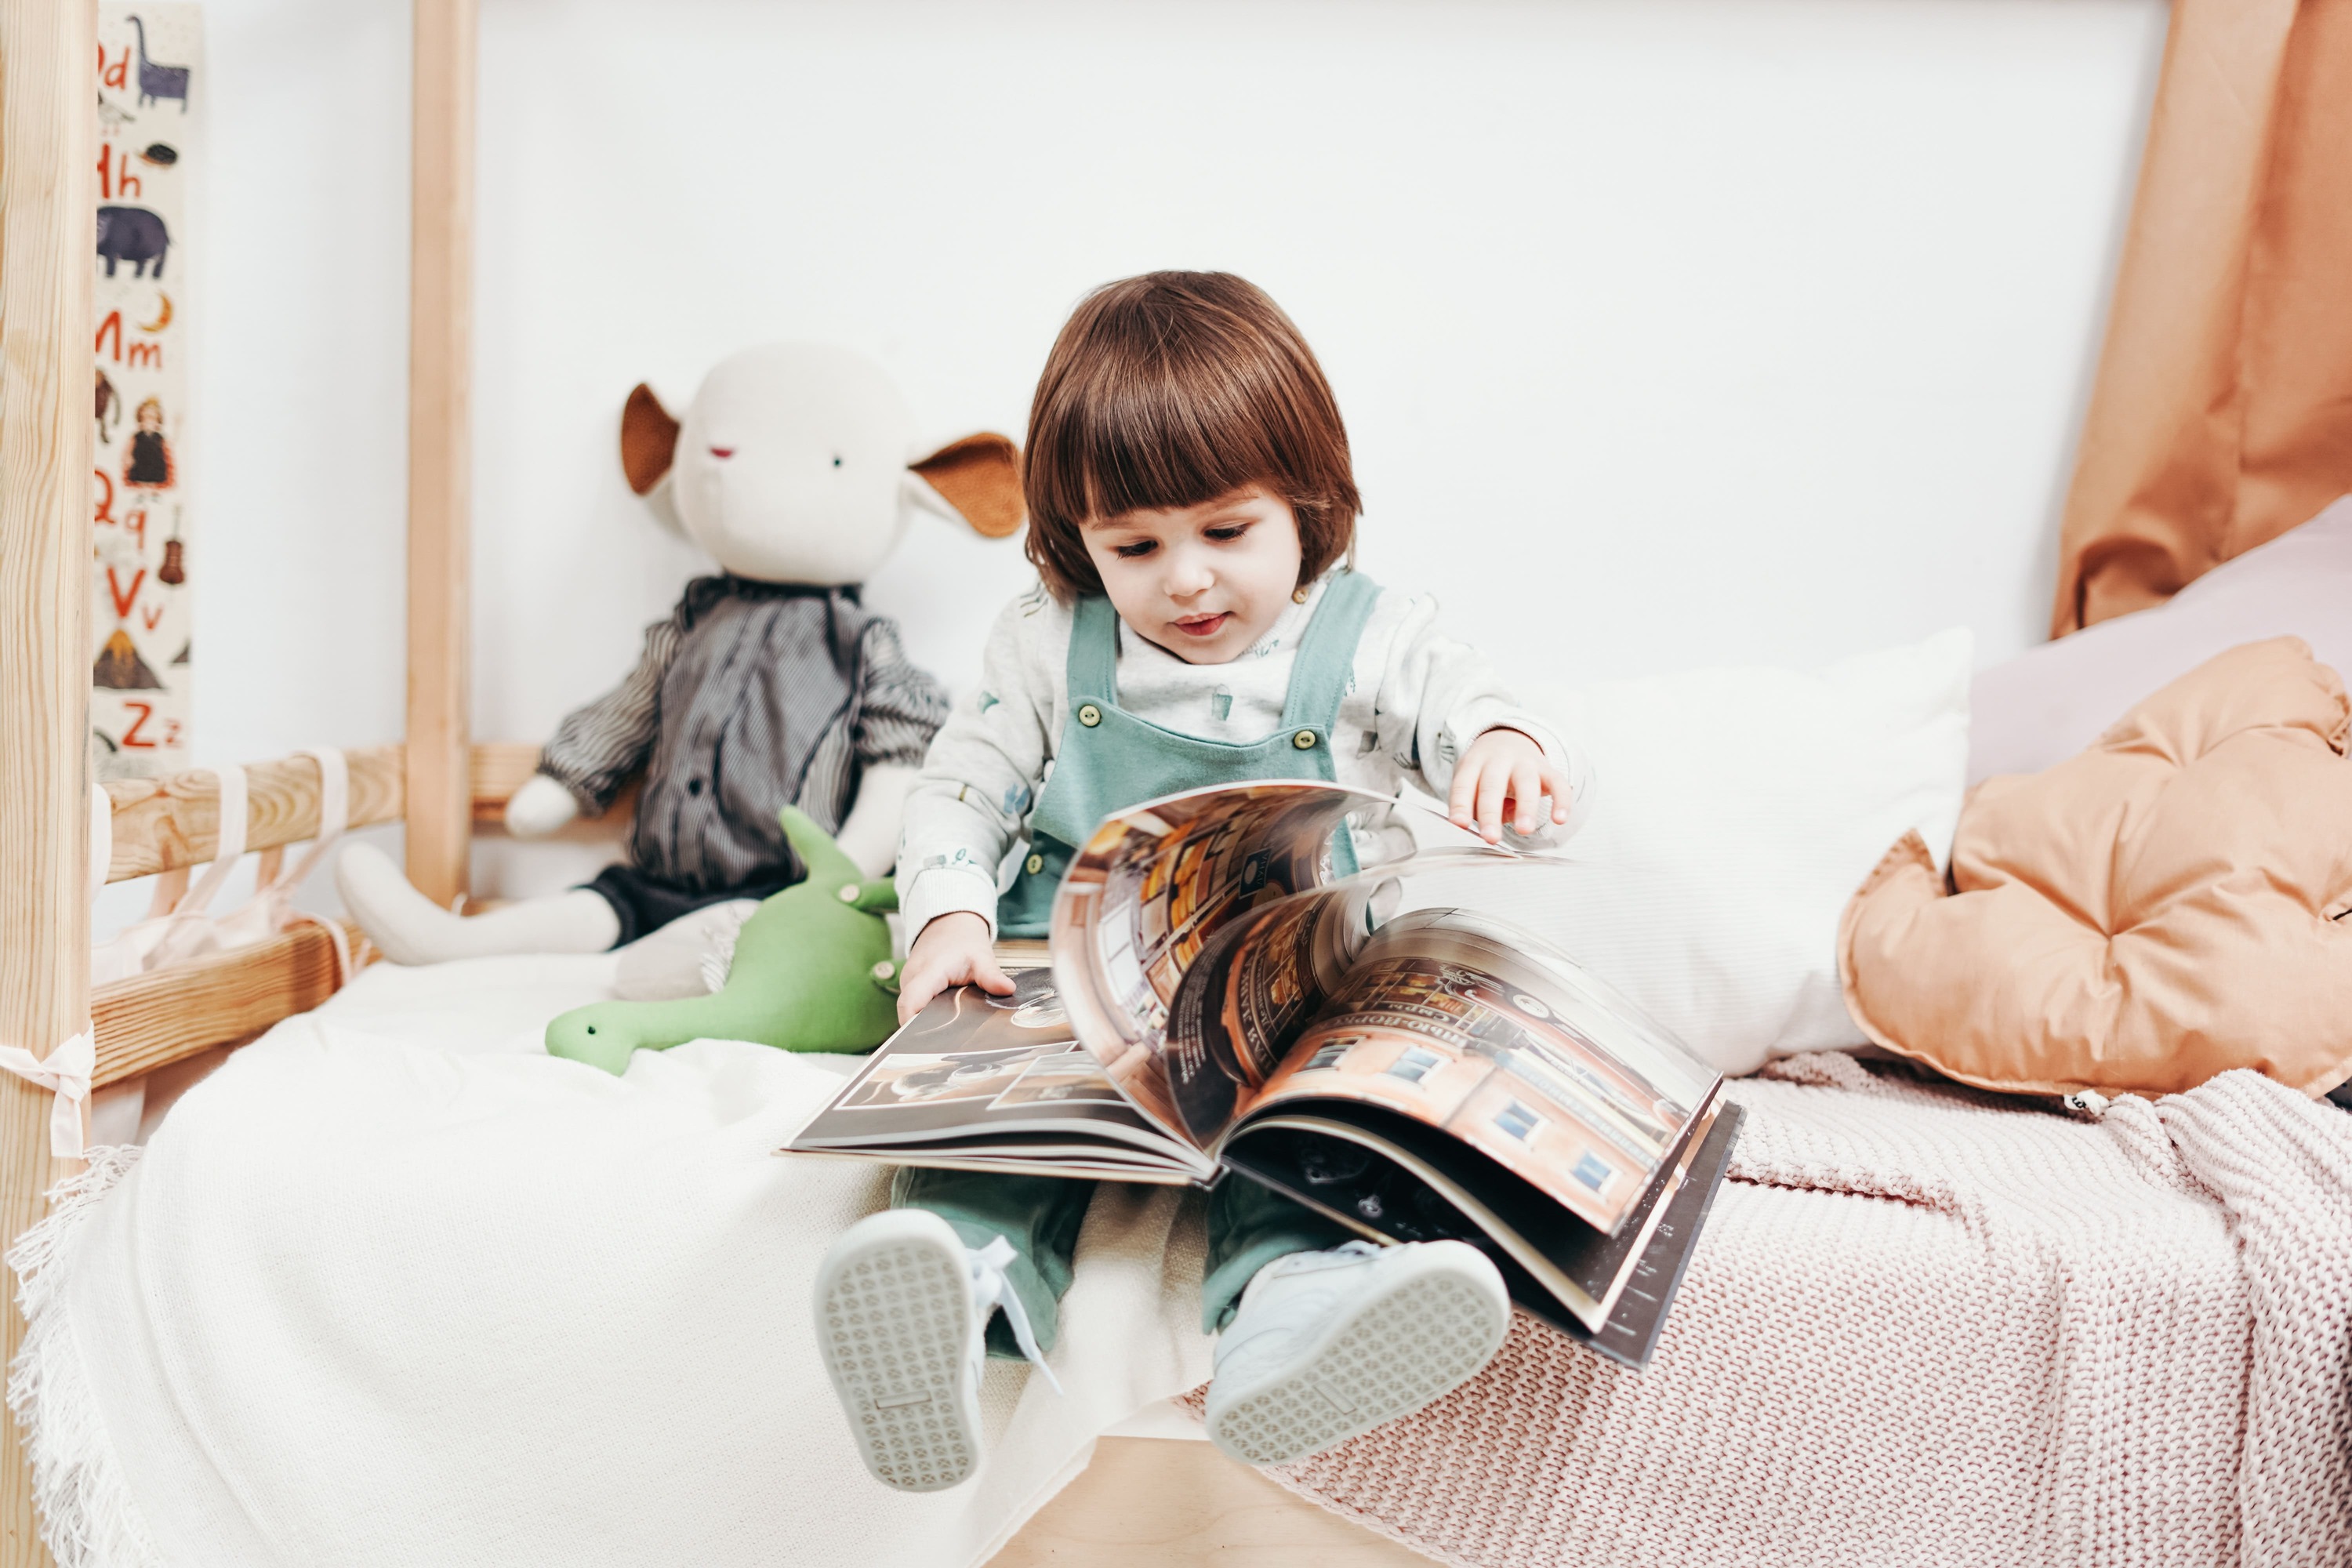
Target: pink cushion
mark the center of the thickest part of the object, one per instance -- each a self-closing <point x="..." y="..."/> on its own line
<point x="2045" y="705"/>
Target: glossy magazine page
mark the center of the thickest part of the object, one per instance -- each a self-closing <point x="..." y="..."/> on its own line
<point x="1475" y="1029"/>
<point x="975" y="1080"/>
<point x="1177" y="879"/>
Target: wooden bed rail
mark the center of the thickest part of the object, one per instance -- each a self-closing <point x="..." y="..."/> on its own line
<point x="168" y="824"/>
<point x="171" y="824"/>
<point x="48" y="179"/>
<point x="152" y="1020"/>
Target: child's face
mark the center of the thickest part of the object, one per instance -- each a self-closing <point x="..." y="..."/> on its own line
<point x="1203" y="582"/>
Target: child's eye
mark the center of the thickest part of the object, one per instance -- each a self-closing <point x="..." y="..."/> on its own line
<point x="1228" y="531"/>
<point x="1134" y="548"/>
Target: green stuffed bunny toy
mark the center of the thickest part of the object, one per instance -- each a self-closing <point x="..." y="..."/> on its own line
<point x="813" y="973"/>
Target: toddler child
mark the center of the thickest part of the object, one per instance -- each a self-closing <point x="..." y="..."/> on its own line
<point x="1191" y="501"/>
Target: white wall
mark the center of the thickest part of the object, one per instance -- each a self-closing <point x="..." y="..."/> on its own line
<point x="1667" y="331"/>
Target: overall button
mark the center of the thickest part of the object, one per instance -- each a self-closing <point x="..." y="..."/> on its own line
<point x="1304" y="739"/>
<point x="1089" y="715"/>
<point x="1034" y="864"/>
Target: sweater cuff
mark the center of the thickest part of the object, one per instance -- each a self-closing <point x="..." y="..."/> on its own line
<point x="1492" y="713"/>
<point x="947" y="891"/>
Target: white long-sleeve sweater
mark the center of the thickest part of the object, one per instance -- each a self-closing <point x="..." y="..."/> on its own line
<point x="1414" y="703"/>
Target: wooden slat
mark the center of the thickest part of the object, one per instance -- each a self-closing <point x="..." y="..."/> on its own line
<point x="163" y="824"/>
<point x="440" y="363"/>
<point x="47" y="147"/>
<point x="1152" y="1502"/>
<point x="173" y="823"/>
<point x="154" y="1020"/>
<point x="502" y="767"/>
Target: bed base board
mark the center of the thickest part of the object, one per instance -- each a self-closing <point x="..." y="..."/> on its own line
<point x="152" y="1020"/>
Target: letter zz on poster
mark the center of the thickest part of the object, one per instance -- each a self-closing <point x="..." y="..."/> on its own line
<point x="150" y="74"/>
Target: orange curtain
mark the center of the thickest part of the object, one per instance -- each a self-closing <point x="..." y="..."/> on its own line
<point x="2222" y="413"/>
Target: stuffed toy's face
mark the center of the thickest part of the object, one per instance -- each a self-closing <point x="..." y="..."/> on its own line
<point x="797" y="463"/>
<point x="790" y="464"/>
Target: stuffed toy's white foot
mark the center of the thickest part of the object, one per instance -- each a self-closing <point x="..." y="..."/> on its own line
<point x="688" y="957"/>
<point x="902" y="1311"/>
<point x="411" y="929"/>
<point x="1330" y="1344"/>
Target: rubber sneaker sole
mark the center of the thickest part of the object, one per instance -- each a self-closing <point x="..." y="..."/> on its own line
<point x="1412" y="1339"/>
<point x="895" y="1328"/>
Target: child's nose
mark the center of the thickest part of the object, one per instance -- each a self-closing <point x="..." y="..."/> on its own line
<point x="1188" y="574"/>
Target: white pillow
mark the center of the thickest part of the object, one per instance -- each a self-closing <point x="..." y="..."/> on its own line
<point x="1735" y="812"/>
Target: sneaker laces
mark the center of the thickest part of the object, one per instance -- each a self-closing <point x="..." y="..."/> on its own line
<point x="991" y="1288"/>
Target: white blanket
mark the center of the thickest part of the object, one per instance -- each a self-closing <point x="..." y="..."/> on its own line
<point x="393" y="1287"/>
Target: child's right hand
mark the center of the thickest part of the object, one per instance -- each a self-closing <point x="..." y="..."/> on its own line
<point x="953" y="950"/>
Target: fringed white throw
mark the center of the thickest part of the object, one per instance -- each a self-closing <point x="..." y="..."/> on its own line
<point x="393" y="1288"/>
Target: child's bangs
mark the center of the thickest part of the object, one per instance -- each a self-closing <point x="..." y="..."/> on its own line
<point x="1163" y="444"/>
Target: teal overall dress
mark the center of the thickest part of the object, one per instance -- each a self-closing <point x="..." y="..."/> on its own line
<point x="1107" y="760"/>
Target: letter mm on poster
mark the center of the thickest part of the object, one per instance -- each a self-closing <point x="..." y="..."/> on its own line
<point x="149" y="72"/>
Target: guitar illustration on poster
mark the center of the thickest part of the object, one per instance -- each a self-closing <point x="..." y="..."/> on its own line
<point x="150" y="91"/>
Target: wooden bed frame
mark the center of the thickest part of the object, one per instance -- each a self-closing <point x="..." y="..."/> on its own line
<point x="1142" y="1503"/>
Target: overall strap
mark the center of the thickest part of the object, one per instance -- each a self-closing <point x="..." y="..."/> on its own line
<point x="1092" y="673"/>
<point x="1327" y="657"/>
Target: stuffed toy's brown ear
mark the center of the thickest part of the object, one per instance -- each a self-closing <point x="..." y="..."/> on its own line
<point x="648" y="438"/>
<point x="979" y="476"/>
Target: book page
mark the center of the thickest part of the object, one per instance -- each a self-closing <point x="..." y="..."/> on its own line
<point x="1154" y="886"/>
<point x="1477" y="1030"/>
<point x="970" y="1066"/>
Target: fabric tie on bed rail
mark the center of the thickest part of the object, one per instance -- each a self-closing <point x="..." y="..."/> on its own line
<point x="66" y="1073"/>
<point x="393" y="1286"/>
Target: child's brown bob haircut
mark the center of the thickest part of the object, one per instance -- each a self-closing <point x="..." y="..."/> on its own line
<point x="1172" y="389"/>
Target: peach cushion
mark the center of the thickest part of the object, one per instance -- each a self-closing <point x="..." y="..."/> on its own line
<point x="2154" y="910"/>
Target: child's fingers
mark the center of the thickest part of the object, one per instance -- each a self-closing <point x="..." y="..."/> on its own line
<point x="1463" y="796"/>
<point x="1526" y="795"/>
<point x="989" y="977"/>
<point x="917" y="986"/>
<point x="1556" y="784"/>
<point x="1493" y="784"/>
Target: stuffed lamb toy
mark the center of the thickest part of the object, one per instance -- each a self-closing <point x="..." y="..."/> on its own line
<point x="797" y="469"/>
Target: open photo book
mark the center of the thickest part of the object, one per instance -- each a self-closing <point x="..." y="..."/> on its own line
<point x="1217" y="1002"/>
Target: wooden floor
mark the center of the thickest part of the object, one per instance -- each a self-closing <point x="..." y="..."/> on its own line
<point x="1150" y="1503"/>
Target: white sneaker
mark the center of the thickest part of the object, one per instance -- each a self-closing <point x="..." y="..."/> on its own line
<point x="1330" y="1344"/>
<point x="902" y="1311"/>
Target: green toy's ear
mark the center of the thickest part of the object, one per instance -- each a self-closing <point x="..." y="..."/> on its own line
<point x="827" y="865"/>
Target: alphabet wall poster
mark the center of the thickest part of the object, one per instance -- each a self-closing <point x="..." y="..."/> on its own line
<point x="150" y="83"/>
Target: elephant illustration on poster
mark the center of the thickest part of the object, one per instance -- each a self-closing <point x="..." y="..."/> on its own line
<point x="133" y="235"/>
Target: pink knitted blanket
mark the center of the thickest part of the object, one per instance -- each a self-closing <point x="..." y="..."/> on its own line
<point x="1927" y="1326"/>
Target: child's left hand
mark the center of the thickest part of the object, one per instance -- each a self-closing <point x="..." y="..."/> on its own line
<point x="1505" y="774"/>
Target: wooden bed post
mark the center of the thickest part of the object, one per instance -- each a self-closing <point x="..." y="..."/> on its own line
<point x="440" y="448"/>
<point x="47" y="148"/>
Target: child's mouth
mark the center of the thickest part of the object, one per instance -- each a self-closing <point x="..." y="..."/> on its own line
<point x="1203" y="626"/>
